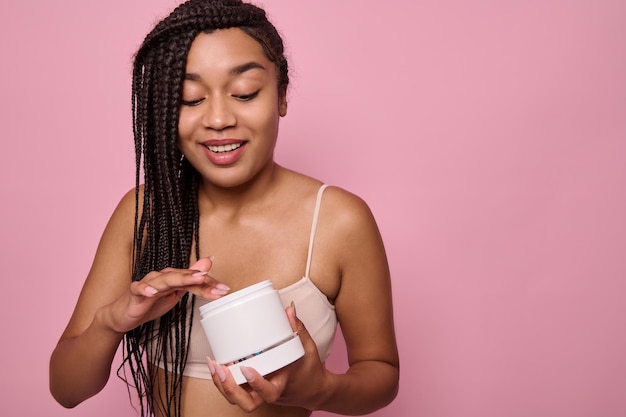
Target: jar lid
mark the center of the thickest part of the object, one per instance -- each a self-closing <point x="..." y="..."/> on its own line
<point x="235" y="296"/>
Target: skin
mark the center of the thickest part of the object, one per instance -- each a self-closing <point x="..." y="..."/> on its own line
<point x="251" y="209"/>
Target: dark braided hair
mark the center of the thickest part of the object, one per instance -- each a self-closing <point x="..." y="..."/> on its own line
<point x="167" y="222"/>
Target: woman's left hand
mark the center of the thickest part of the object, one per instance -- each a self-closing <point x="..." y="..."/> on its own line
<point x="297" y="384"/>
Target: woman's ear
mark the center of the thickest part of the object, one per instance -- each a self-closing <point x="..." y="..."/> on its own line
<point x="282" y="105"/>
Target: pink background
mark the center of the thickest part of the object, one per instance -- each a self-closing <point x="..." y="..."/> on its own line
<point x="489" y="138"/>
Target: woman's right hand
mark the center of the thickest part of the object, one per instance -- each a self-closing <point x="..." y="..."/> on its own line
<point x="158" y="292"/>
<point x="110" y="305"/>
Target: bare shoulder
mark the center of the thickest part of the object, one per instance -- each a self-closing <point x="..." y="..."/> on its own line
<point x="347" y="212"/>
<point x="121" y="224"/>
<point x="119" y="230"/>
<point x="342" y="212"/>
<point x="349" y="234"/>
<point x="125" y="210"/>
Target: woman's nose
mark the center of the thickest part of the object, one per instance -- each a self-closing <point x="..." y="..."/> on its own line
<point x="218" y="114"/>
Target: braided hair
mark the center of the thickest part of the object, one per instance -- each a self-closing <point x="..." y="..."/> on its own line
<point x="167" y="222"/>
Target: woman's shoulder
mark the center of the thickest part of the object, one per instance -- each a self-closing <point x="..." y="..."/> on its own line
<point x="345" y="209"/>
<point x="129" y="196"/>
<point x="128" y="203"/>
<point x="123" y="218"/>
<point x="344" y="199"/>
<point x="342" y="203"/>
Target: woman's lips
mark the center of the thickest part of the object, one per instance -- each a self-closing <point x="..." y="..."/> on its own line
<point x="225" y="151"/>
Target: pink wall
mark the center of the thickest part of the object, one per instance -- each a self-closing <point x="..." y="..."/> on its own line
<point x="489" y="138"/>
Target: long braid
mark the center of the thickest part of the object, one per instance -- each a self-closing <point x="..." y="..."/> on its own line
<point x="167" y="215"/>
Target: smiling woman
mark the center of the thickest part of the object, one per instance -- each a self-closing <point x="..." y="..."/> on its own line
<point x="215" y="213"/>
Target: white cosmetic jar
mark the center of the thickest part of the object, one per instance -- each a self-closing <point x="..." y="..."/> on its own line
<point x="249" y="327"/>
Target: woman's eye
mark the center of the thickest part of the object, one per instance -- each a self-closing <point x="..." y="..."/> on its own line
<point x="246" y="97"/>
<point x="191" y="102"/>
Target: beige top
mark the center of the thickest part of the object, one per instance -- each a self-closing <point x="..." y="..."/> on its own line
<point x="314" y="309"/>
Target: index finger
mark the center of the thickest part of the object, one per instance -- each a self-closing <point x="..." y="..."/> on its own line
<point x="177" y="279"/>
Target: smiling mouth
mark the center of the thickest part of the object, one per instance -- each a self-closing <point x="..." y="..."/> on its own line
<point x="224" y="148"/>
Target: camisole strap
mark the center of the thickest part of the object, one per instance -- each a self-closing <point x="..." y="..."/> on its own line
<point x="316" y="213"/>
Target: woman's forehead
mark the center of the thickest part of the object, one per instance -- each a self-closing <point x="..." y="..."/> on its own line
<point x="226" y="49"/>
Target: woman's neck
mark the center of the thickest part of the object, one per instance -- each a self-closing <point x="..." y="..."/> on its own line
<point x="250" y="196"/>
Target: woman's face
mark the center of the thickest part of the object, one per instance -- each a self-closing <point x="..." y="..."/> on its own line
<point x="230" y="108"/>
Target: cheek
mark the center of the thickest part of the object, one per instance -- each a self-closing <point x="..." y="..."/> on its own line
<point x="264" y="118"/>
<point x="185" y="126"/>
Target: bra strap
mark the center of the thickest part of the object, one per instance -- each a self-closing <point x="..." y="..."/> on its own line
<point x="318" y="203"/>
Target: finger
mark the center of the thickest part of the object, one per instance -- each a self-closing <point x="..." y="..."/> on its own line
<point x="269" y="390"/>
<point x="198" y="283"/>
<point x="247" y="400"/>
<point x="207" y="293"/>
<point x="142" y="289"/>
<point x="296" y="325"/>
<point x="217" y="377"/>
<point x="175" y="280"/>
<point x="210" y="288"/>
<point x="202" y="265"/>
<point x="197" y="271"/>
<point x="300" y="329"/>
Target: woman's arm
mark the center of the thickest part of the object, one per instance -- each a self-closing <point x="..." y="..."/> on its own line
<point x="81" y="362"/>
<point x="365" y="313"/>
<point x="110" y="304"/>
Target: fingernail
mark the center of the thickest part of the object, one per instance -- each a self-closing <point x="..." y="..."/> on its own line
<point x="220" y="373"/>
<point x="199" y="273"/>
<point x="211" y="366"/>
<point x="217" y="291"/>
<point x="151" y="290"/>
<point x="246" y="373"/>
<point x="221" y="286"/>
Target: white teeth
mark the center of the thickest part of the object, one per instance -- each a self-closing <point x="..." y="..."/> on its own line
<point x="224" y="148"/>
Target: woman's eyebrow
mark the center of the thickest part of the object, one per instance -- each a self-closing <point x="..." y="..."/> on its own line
<point x="240" y="69"/>
<point x="237" y="70"/>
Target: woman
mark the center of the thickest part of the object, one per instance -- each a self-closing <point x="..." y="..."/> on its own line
<point x="209" y="87"/>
